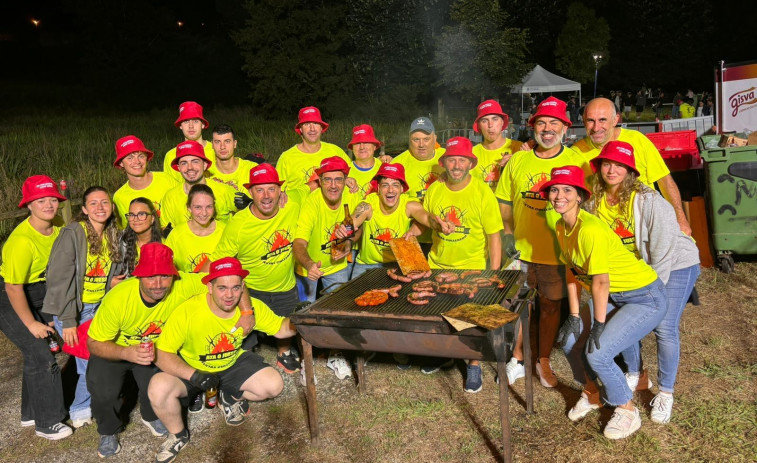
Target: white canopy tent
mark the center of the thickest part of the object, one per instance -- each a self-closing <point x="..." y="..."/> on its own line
<point x="539" y="80"/>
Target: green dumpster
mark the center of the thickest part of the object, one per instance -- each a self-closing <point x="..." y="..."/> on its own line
<point x="732" y="197"/>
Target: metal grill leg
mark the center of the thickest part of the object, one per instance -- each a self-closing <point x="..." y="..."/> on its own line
<point x="526" y="324"/>
<point x="499" y="345"/>
<point x="307" y="360"/>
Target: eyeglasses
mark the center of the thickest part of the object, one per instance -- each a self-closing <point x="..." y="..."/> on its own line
<point x="142" y="215"/>
<point x="329" y="181"/>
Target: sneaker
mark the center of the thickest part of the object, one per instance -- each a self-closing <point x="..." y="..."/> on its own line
<point x="288" y="362"/>
<point x="197" y="404"/>
<point x="582" y="408"/>
<point x="234" y="411"/>
<point x="109" y="446"/>
<point x="26" y="423"/>
<point x="341" y="367"/>
<point x="302" y="378"/>
<point x="639" y="382"/>
<point x="473" y="381"/>
<point x="662" y="408"/>
<point x="515" y="370"/>
<point x="80" y="422"/>
<point x="623" y="423"/>
<point x="171" y="447"/>
<point x="436" y="365"/>
<point x="403" y="361"/>
<point x="156" y="428"/>
<point x="54" y="432"/>
<point x="546" y="375"/>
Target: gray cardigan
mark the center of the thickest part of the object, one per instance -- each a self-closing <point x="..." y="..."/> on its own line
<point x="65" y="275"/>
<point x="659" y="238"/>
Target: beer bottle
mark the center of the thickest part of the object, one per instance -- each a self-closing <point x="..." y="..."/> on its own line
<point x="211" y="397"/>
<point x="53" y="344"/>
<point x="347" y="222"/>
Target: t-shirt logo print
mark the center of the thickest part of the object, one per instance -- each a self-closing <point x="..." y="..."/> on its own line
<point x="152" y="331"/>
<point x="622" y="228"/>
<point x="456" y="216"/>
<point x="426" y="180"/>
<point x="198" y="261"/>
<point x="491" y="174"/>
<point x="279" y="247"/>
<point x="221" y="350"/>
<point x="381" y="237"/>
<point x="532" y="198"/>
<point x="310" y="175"/>
<point x="329" y="236"/>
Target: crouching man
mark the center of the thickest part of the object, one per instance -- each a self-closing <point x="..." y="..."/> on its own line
<point x="199" y="349"/>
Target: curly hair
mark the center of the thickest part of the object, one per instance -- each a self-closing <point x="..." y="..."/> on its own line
<point x="599" y="187"/>
<point x="111" y="233"/>
<point x="130" y="236"/>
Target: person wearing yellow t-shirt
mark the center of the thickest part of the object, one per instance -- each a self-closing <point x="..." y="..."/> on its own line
<point x="193" y="242"/>
<point x="133" y="157"/>
<point x="199" y="349"/>
<point x="364" y="167"/>
<point x="130" y="318"/>
<point x="85" y="263"/>
<point x="529" y="227"/>
<point x="191" y="123"/>
<point x="296" y="166"/>
<point x="687" y="109"/>
<point x="627" y="299"/>
<point x="142" y="227"/>
<point x="191" y="162"/>
<point x="25" y="255"/>
<point x="230" y="169"/>
<point x="496" y="149"/>
<point x="601" y="120"/>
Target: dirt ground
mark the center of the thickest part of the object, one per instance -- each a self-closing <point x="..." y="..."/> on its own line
<point x="411" y="417"/>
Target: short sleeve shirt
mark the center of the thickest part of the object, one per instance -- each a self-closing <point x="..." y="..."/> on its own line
<point x="155" y="191"/>
<point x="238" y="178"/>
<point x="190" y="252"/>
<point x="26" y="253"/>
<point x="487" y="168"/>
<point x="364" y="177"/>
<point x="171" y="155"/>
<point x="297" y="168"/>
<point x="96" y="273"/>
<point x="175" y="209"/>
<point x="622" y="224"/>
<point x="420" y="174"/>
<point x="380" y="229"/>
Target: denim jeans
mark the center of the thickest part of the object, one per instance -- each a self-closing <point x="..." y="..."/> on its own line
<point x="79" y="409"/>
<point x="631" y="315"/>
<point x="309" y="286"/>
<point x="678" y="289"/>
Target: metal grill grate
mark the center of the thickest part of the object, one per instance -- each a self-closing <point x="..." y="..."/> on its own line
<point x="343" y="299"/>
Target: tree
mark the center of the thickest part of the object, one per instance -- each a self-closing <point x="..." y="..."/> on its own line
<point x="583" y="36"/>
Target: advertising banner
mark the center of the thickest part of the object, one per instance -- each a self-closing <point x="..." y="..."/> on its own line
<point x="736" y="96"/>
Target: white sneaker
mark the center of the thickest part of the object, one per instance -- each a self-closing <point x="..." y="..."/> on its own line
<point x="623" y="423"/>
<point x="633" y="381"/>
<point x="80" y="423"/>
<point x="582" y="408"/>
<point x="302" y="376"/>
<point x="514" y="370"/>
<point x="662" y="408"/>
<point x="27" y="423"/>
<point x="341" y="367"/>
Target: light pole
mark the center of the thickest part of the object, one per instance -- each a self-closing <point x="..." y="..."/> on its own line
<point x="597" y="58"/>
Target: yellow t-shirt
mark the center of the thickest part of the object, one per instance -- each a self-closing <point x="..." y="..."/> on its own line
<point x="591" y="248"/>
<point x="297" y="168"/>
<point x="487" y="168"/>
<point x="175" y="204"/>
<point x="420" y="174"/>
<point x="622" y="224"/>
<point x="160" y="184"/>
<point x="264" y="247"/>
<point x="475" y="213"/>
<point x="25" y="254"/>
<point x="649" y="162"/>
<point x="374" y="243"/>
<point x="316" y="225"/>
<point x="190" y="251"/>
<point x="125" y="319"/>
<point x="171" y="155"/>
<point x="364" y="177"/>
<point x="238" y="178"/>
<point x="533" y="216"/>
<point x="204" y="340"/>
<point x="96" y="275"/>
<point x="687" y="111"/>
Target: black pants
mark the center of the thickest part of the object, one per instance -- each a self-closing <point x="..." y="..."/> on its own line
<point x="105" y="378"/>
<point x="41" y="385"/>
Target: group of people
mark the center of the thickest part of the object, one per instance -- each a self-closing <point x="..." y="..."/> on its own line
<point x="168" y="278"/>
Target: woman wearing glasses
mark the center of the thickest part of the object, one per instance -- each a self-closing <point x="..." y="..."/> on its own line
<point x="142" y="227"/>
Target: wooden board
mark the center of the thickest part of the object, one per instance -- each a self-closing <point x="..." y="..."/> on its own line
<point x="489" y="317"/>
<point x="409" y="255"/>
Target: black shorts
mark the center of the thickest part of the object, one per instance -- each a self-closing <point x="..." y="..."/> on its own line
<point x="282" y="304"/>
<point x="232" y="378"/>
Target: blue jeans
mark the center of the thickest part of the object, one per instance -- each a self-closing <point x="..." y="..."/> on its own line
<point x="631" y="315"/>
<point x="308" y="287"/>
<point x="360" y="269"/>
<point x="79" y="409"/>
<point x="679" y="286"/>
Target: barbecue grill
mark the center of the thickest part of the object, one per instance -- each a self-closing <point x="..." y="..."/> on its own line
<point x="335" y="321"/>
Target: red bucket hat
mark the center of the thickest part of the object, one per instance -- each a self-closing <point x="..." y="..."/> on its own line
<point x="127" y="145"/>
<point x="309" y="114"/>
<point x="262" y="174"/>
<point x="395" y="171"/>
<point x="459" y="146"/>
<point x="488" y="108"/>
<point x="190" y="110"/>
<point x="190" y="148"/>
<point x="333" y="164"/>
<point x="39" y="186"/>
<point x="551" y="107"/>
<point x="363" y="134"/>
<point x="155" y="259"/>
<point x="566" y="175"/>
<point x="618" y="151"/>
<point x="224" y="267"/>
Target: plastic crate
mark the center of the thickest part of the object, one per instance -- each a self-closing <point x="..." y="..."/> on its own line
<point x="681" y="160"/>
<point x="678" y="149"/>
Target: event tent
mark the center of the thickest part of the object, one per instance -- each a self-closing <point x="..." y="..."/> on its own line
<point x="539" y="80"/>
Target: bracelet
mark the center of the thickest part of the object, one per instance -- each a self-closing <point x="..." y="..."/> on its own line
<point x="245" y="312"/>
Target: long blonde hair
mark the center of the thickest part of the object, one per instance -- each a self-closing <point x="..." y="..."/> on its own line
<point x="599" y="188"/>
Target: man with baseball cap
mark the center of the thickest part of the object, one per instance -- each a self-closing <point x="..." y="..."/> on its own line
<point x="229" y="169"/>
<point x="529" y="221"/>
<point x="364" y="165"/>
<point x="421" y="159"/>
<point x="192" y="163"/>
<point x="133" y="157"/>
<point x="297" y="165"/>
<point x="494" y="152"/>
<point x="200" y="348"/>
<point x="261" y="236"/>
<point x="469" y="204"/>
<point x="131" y="317"/>
<point x="601" y="120"/>
<point x="191" y="123"/>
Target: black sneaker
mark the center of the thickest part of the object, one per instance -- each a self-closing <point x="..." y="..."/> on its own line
<point x="197" y="404"/>
<point x="109" y="446"/>
<point x="171" y="447"/>
<point x="234" y="411"/>
<point x="156" y="427"/>
<point x="288" y="362"/>
<point x="54" y="432"/>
